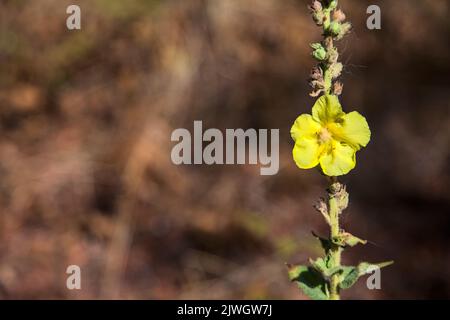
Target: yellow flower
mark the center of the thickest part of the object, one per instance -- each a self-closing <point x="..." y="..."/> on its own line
<point x="330" y="137"/>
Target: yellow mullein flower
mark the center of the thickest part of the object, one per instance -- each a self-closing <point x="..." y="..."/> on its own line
<point x="329" y="137"/>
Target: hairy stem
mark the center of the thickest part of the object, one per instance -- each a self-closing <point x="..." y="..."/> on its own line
<point x="337" y="202"/>
<point x="327" y="76"/>
<point x="335" y="251"/>
<point x="334" y="196"/>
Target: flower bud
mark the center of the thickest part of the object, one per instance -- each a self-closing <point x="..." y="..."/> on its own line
<point x="333" y="55"/>
<point x="336" y="69"/>
<point x="335" y="28"/>
<point x="345" y="28"/>
<point x="336" y="189"/>
<point x="318" y="17"/>
<point x="315" y="6"/>
<point x="332" y="4"/>
<point x="316" y="73"/>
<point x="319" y="51"/>
<point x="338" y="15"/>
<point x="337" y="88"/>
<point x="317" y="12"/>
<point x="320" y="54"/>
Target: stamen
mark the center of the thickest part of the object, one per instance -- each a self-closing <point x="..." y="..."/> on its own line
<point x="324" y="135"/>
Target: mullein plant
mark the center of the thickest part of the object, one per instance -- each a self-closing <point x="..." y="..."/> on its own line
<point x="329" y="138"/>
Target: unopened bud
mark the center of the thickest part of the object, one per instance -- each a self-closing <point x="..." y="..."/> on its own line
<point x="335" y="28"/>
<point x="317" y="12"/>
<point x="338" y="15"/>
<point x="319" y="51"/>
<point x="315" y="6"/>
<point x="318" y="17"/>
<point x="316" y="73"/>
<point x="333" y="55"/>
<point x="337" y="88"/>
<point x="336" y="188"/>
<point x="332" y="4"/>
<point x="345" y="28"/>
<point x="336" y="69"/>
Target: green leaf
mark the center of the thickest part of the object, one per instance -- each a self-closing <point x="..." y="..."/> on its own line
<point x="349" y="277"/>
<point x="310" y="281"/>
<point x="319" y="264"/>
<point x="351" y="274"/>
<point x="347" y="239"/>
<point x="316" y="45"/>
<point x="366" y="267"/>
<point x="332" y="271"/>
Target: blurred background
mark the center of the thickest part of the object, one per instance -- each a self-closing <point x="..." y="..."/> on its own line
<point x="85" y="170"/>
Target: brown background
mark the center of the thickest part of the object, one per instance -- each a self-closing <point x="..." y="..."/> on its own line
<point x="85" y="170"/>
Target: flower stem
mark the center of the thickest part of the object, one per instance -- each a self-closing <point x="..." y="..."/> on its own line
<point x="335" y="206"/>
<point x="328" y="41"/>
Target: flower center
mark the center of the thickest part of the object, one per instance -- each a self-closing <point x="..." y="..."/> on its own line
<point x="324" y="135"/>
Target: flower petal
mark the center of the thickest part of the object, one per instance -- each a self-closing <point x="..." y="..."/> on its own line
<point x="339" y="160"/>
<point x="304" y="126"/>
<point x="327" y="109"/>
<point x="355" y="130"/>
<point x="306" y="153"/>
